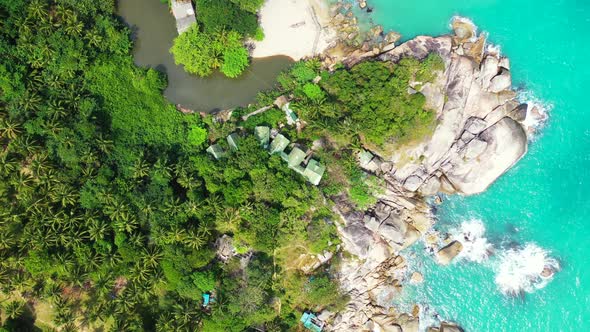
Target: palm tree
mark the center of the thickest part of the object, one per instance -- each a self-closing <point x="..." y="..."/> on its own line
<point x="140" y="169"/>
<point x="37" y="10"/>
<point x="195" y="240"/>
<point x="14" y="309"/>
<point x="126" y="223"/>
<point x="97" y="228"/>
<point x="55" y="108"/>
<point x="7" y="164"/>
<point x="104" y="145"/>
<point x="161" y="167"/>
<point x="39" y="164"/>
<point x="30" y="101"/>
<point x="21" y="181"/>
<point x="151" y="257"/>
<point x="117" y="210"/>
<point x="9" y="129"/>
<point x="64" y="194"/>
<point x="173" y="207"/>
<point x="94" y="38"/>
<point x="74" y="27"/>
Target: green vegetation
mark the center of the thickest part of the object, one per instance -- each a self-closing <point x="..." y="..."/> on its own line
<point x="365" y="106"/>
<point x="217" y="41"/>
<point x="109" y="205"/>
<point x="201" y="53"/>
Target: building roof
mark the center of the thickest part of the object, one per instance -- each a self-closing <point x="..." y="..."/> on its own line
<point x="184" y="14"/>
<point x="262" y="135"/>
<point x="279" y="143"/>
<point x="296" y="156"/>
<point x="232" y="140"/>
<point x="311" y="322"/>
<point x="365" y="157"/>
<point x="216" y="151"/>
<point x="291" y="115"/>
<point x="314" y="172"/>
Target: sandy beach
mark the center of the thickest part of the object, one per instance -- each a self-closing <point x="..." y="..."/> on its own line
<point x="295" y="28"/>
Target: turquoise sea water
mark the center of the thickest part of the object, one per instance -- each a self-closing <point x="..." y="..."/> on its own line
<point x="545" y="198"/>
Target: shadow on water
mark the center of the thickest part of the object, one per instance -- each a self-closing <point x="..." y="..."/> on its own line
<point x="153" y="31"/>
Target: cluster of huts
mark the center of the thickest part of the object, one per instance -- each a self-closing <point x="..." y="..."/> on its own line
<point x="311" y="170"/>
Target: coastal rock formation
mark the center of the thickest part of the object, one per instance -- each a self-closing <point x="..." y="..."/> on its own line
<point x="479" y="135"/>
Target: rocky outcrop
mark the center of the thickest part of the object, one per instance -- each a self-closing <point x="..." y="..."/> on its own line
<point x="479" y="135"/>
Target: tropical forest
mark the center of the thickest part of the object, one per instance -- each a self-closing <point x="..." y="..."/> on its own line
<point x="112" y="211"/>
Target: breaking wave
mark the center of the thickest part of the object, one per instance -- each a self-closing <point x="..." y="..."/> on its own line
<point x="524" y="269"/>
<point x="517" y="270"/>
<point x="537" y="112"/>
<point x="476" y="247"/>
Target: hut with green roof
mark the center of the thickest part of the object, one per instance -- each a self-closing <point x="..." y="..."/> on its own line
<point x="216" y="151"/>
<point x="295" y="157"/>
<point x="314" y="172"/>
<point x="262" y="134"/>
<point x="232" y="141"/>
<point x="279" y="144"/>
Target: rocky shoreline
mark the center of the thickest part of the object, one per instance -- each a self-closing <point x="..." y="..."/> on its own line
<point x="481" y="132"/>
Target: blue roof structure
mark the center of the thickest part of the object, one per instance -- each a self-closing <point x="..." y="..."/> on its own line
<point x="311" y="322"/>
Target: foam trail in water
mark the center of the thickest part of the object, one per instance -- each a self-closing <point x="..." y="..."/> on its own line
<point x="537" y="112"/>
<point x="524" y="269"/>
<point x="476" y="247"/>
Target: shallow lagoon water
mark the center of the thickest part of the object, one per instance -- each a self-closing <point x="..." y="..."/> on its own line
<point x="154" y="30"/>
<point x="545" y="199"/>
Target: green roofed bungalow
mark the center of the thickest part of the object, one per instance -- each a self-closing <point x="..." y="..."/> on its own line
<point x="311" y="322"/>
<point x="278" y="144"/>
<point x="262" y="135"/>
<point x="216" y="151"/>
<point x="365" y="157"/>
<point x="291" y="115"/>
<point x="296" y="156"/>
<point x="314" y="172"/>
<point x="232" y="141"/>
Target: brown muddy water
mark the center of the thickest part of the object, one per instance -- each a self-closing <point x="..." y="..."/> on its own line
<point x="154" y="31"/>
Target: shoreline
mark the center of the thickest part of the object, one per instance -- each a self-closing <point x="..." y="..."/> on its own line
<point x="290" y="25"/>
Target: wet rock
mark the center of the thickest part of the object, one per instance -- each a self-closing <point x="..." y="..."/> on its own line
<point x="519" y="113"/>
<point x="392" y="37"/>
<point x="408" y="323"/>
<point x="377" y="30"/>
<point x="450" y="327"/>
<point x="446" y="254"/>
<point x="417" y="278"/>
<point x="464" y="29"/>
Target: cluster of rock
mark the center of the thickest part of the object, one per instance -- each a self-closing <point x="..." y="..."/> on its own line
<point x="479" y="135"/>
<point x="353" y="40"/>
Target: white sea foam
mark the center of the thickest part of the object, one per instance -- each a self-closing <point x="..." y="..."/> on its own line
<point x="524" y="269"/>
<point x="537" y="112"/>
<point x="471" y="234"/>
